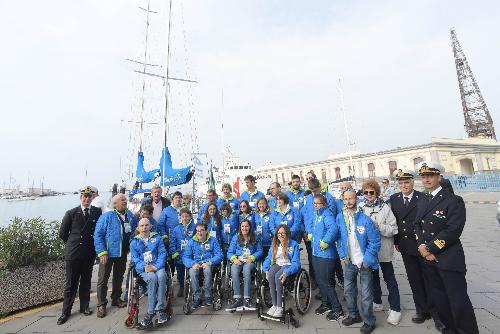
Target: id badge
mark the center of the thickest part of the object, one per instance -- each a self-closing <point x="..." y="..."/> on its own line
<point x="259" y="229"/>
<point x="213" y="234"/>
<point x="283" y="222"/>
<point x="148" y="257"/>
<point x="296" y="204"/>
<point x="183" y="244"/>
<point x="252" y="205"/>
<point x="227" y="228"/>
<point x="127" y="227"/>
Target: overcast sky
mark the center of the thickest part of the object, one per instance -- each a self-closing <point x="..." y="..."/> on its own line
<point x="66" y="85"/>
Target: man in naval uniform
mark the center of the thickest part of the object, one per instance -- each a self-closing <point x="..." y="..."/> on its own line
<point x="404" y="207"/>
<point x="77" y="231"/>
<point x="439" y="224"/>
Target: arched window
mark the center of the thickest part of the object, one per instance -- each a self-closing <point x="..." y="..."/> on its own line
<point x="417" y="160"/>
<point x="393" y="165"/>
<point x="337" y="173"/>
<point x="371" y="169"/>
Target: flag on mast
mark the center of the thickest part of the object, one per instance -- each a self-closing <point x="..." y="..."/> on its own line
<point x="211" y="180"/>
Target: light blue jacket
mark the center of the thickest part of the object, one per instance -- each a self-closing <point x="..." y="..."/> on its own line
<point x="154" y="245"/>
<point x="292" y="218"/>
<point x="201" y="252"/>
<point x="263" y="229"/>
<point x="367" y="234"/>
<point x="323" y="228"/>
<point x="169" y="219"/>
<point x="109" y="233"/>
<point x="293" y="253"/>
<point x="179" y="238"/>
<point x="236" y="249"/>
<point x="308" y="209"/>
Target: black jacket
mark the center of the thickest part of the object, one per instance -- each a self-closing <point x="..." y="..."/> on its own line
<point x="405" y="218"/>
<point x="149" y="200"/>
<point x="446" y="184"/>
<point x="439" y="224"/>
<point x="78" y="234"/>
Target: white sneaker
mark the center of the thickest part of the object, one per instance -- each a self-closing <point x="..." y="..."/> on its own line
<point x="394" y="317"/>
<point x="278" y="313"/>
<point x="378" y="307"/>
<point x="271" y="311"/>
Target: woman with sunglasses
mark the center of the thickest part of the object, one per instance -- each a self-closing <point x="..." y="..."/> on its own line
<point x="282" y="261"/>
<point x="383" y="218"/>
<point x="263" y="220"/>
<point x="246" y="213"/>
<point x="244" y="251"/>
<point x="286" y="215"/>
<point x="212" y="220"/>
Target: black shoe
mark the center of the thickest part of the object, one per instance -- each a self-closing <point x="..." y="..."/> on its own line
<point x="420" y="317"/>
<point x="322" y="309"/>
<point x="439" y="325"/>
<point x="234" y="306"/>
<point x="208" y="302"/>
<point x="248" y="305"/>
<point x="350" y="321"/>
<point x="62" y="319"/>
<point x="366" y="329"/>
<point x="335" y="316"/>
<point x="86" y="311"/>
<point x="147" y="322"/>
<point x="197" y="304"/>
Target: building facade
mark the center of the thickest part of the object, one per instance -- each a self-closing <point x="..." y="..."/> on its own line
<point x="466" y="156"/>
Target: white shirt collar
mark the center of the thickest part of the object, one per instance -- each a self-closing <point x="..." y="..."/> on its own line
<point x="410" y="196"/>
<point x="83" y="208"/>
<point x="435" y="192"/>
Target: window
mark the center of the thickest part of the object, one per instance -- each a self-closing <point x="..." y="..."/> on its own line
<point x="371" y="169"/>
<point x="417" y="160"/>
<point x="323" y="174"/>
<point x="337" y="173"/>
<point x="393" y="165"/>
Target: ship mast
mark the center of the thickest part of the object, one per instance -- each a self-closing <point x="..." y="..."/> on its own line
<point x="348" y="140"/>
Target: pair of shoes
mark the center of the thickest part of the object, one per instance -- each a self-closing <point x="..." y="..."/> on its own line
<point x="162" y="317"/>
<point x="419" y="318"/>
<point x="335" y="315"/>
<point x="197" y="303"/>
<point x="237" y="303"/>
<point x="208" y="302"/>
<point x="378" y="307"/>
<point x="366" y="329"/>
<point x="271" y="311"/>
<point x="394" y="317"/>
<point x="101" y="311"/>
<point x="119" y="303"/>
<point x="248" y="305"/>
<point x="62" y="319"/>
<point x="86" y="311"/>
<point x="322" y="309"/>
<point x="351" y="321"/>
<point x="180" y="293"/>
<point x="147" y="322"/>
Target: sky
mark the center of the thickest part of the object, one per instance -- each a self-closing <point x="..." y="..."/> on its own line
<point x="69" y="94"/>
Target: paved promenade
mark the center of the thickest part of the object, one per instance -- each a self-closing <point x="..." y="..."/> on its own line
<point x="481" y="239"/>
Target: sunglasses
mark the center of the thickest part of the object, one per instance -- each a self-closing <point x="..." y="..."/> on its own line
<point x="371" y="192"/>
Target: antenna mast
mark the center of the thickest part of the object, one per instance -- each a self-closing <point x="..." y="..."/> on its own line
<point x="478" y="122"/>
<point x="342" y="109"/>
<point x="222" y="137"/>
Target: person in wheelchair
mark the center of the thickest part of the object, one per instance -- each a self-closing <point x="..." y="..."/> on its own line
<point x="282" y="261"/>
<point x="243" y="253"/>
<point x="148" y="254"/>
<point x="180" y="236"/>
<point x="202" y="253"/>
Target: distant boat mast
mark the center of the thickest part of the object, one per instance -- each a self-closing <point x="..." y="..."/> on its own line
<point x="348" y="140"/>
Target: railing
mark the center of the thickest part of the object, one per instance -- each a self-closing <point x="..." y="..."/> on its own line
<point x="480" y="182"/>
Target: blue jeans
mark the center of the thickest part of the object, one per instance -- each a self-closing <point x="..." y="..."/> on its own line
<point x="275" y="284"/>
<point x="207" y="282"/>
<point x="325" y="278"/>
<point x="351" y="292"/>
<point x="157" y="286"/>
<point x="179" y="267"/>
<point x="392" y="286"/>
<point x="247" y="268"/>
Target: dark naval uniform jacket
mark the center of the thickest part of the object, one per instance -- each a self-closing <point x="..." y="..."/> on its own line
<point x="439" y="225"/>
<point x="405" y="218"/>
<point x="78" y="233"/>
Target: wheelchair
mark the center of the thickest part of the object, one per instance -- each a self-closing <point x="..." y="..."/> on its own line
<point x="216" y="289"/>
<point x="256" y="281"/>
<point x="298" y="286"/>
<point x="134" y="283"/>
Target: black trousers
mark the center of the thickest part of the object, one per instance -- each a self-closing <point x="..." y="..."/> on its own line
<point x="420" y="289"/>
<point x="77" y="271"/>
<point x="309" y="258"/>
<point x="449" y="294"/>
<point x="118" y="265"/>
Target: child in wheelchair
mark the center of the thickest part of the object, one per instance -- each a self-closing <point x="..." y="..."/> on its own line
<point x="202" y="253"/>
<point x="282" y="261"/>
<point x="243" y="253"/>
<point x="148" y="255"/>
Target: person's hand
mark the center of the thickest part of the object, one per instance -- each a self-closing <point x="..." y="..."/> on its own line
<point x="237" y="262"/>
<point x="153" y="268"/>
<point x="205" y="265"/>
<point x="103" y="259"/>
<point x="282" y="278"/>
<point x="397" y="248"/>
<point x="196" y="266"/>
<point x="431" y="257"/>
<point x="175" y="255"/>
<point x="422" y="249"/>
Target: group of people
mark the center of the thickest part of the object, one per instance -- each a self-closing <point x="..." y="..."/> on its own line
<point x="344" y="238"/>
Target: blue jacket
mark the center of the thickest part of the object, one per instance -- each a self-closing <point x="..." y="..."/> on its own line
<point x="272" y="202"/>
<point x="154" y="245"/>
<point x="296" y="198"/>
<point x="290" y="217"/>
<point x="201" y="212"/>
<point x="236" y="249"/>
<point x="229" y="226"/>
<point x="251" y="216"/>
<point x="367" y="234"/>
<point x="293" y="253"/>
<point x="109" y="234"/>
<point x="233" y="202"/>
<point x="169" y="218"/>
<point x="323" y="228"/>
<point x="201" y="252"/>
<point x="263" y="228"/>
<point x="213" y="229"/>
<point x="308" y="210"/>
<point x="339" y="204"/>
<point x="252" y="198"/>
<point x="179" y="238"/>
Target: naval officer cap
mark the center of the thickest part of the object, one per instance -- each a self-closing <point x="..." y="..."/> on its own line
<point x="86" y="191"/>
<point x="94" y="189"/>
<point x="429" y="168"/>
<point x="400" y="174"/>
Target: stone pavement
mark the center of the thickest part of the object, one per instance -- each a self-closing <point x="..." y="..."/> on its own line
<point x="481" y="239"/>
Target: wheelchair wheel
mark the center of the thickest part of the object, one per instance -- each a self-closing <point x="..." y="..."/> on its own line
<point x="170" y="294"/>
<point x="188" y="296"/>
<point x="265" y="294"/>
<point x="302" y="291"/>
<point x="130" y="284"/>
<point x="226" y="281"/>
<point x="217" y="293"/>
<point x="133" y="302"/>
